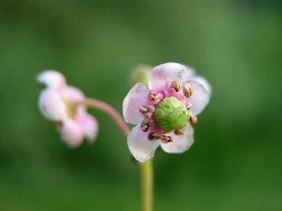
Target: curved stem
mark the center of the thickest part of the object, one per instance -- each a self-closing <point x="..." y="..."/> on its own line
<point x="146" y="168"/>
<point x="108" y="109"/>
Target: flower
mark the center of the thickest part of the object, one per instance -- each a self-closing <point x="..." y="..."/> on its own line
<point x="61" y="103"/>
<point x="165" y="111"/>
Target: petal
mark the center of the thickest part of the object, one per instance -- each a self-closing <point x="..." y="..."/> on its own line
<point x="200" y="97"/>
<point x="136" y="97"/>
<point x="52" y="105"/>
<point x="73" y="94"/>
<point x="204" y="82"/>
<point x="163" y="73"/>
<point x="88" y="124"/>
<point x="72" y="133"/>
<point x="180" y="143"/>
<point x="140" y="147"/>
<point x="52" y="79"/>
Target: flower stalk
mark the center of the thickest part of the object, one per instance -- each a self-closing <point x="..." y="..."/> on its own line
<point x="147" y="185"/>
<point x="108" y="109"/>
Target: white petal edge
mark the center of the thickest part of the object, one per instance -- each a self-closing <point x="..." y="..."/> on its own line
<point x="136" y="97"/>
<point x="52" y="79"/>
<point x="89" y="125"/>
<point x="200" y="97"/>
<point x="140" y="147"/>
<point x="163" y="73"/>
<point x="52" y="105"/>
<point x="71" y="133"/>
<point x="180" y="143"/>
<point x="204" y="82"/>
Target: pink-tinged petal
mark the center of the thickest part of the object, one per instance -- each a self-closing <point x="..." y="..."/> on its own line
<point x="180" y="143"/>
<point x="88" y="124"/>
<point x="71" y="132"/>
<point x="200" y="97"/>
<point x="52" y="79"/>
<point x="136" y="97"/>
<point x="204" y="82"/>
<point x="73" y="94"/>
<point x="163" y="73"/>
<point x="140" y="147"/>
<point x="52" y="105"/>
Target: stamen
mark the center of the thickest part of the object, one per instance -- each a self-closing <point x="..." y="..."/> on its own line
<point x="154" y="136"/>
<point x="145" y="125"/>
<point x="188" y="105"/>
<point x="145" y="128"/>
<point x="148" y="115"/>
<point x="166" y="139"/>
<point x="187" y="90"/>
<point x="150" y="108"/>
<point x="178" y="132"/>
<point x="146" y="108"/>
<point x="142" y="109"/>
<point x="153" y="95"/>
<point x="193" y="119"/>
<point x="175" y="85"/>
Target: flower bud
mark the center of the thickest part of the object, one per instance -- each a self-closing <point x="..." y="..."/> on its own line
<point x="140" y="74"/>
<point x="171" y="114"/>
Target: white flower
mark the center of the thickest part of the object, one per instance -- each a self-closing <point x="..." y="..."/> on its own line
<point x="165" y="111"/>
<point x="61" y="103"/>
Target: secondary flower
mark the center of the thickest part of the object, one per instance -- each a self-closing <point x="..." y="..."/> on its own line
<point x="61" y="103"/>
<point x="165" y="111"/>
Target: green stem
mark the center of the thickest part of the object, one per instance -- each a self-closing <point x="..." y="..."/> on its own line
<point x="146" y="171"/>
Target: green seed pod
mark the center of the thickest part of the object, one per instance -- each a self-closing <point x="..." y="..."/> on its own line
<point x="171" y="114"/>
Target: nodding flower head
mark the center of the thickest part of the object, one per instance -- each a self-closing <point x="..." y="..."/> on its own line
<point x="165" y="111"/>
<point x="62" y="104"/>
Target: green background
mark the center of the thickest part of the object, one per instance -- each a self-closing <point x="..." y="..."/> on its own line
<point x="235" y="163"/>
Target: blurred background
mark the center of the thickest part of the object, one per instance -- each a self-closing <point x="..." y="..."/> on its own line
<point x="235" y="163"/>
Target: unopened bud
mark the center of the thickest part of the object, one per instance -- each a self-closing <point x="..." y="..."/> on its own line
<point x="140" y="74"/>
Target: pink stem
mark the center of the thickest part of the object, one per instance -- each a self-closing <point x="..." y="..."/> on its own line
<point x="108" y="109"/>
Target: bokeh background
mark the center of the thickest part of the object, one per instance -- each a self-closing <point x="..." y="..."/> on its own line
<point x="235" y="163"/>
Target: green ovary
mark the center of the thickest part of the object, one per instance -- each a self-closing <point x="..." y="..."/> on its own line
<point x="171" y="114"/>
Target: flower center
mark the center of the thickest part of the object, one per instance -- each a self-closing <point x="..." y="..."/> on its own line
<point x="171" y="114"/>
<point x="71" y="107"/>
<point x="168" y="111"/>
